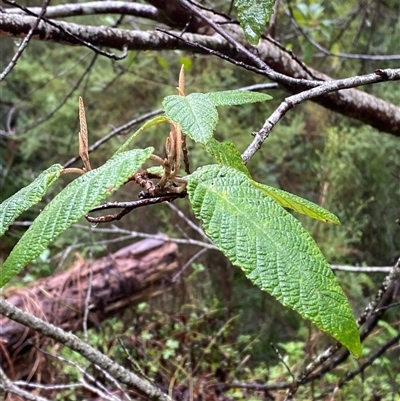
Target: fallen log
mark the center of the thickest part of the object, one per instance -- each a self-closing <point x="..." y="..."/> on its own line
<point x="115" y="283"/>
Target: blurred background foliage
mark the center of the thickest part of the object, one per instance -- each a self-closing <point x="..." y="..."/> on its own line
<point x="215" y="320"/>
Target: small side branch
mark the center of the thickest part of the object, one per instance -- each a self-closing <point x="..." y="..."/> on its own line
<point x="127" y="207"/>
<point x="9" y="387"/>
<point x="25" y="42"/>
<point x="92" y="355"/>
<point x="324" y="88"/>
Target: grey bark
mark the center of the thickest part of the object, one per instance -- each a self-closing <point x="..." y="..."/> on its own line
<point x="352" y="103"/>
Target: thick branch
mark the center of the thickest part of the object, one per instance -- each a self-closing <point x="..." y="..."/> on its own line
<point x="113" y="282"/>
<point x="353" y="103"/>
<point x="18" y="26"/>
<point x="88" y="352"/>
<point x="94" y="7"/>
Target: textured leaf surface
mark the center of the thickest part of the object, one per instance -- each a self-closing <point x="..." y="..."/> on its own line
<point x="156" y="170"/>
<point x="73" y="202"/>
<point x="225" y="153"/>
<point x="298" y="204"/>
<point x="253" y="16"/>
<point x="273" y="249"/>
<point x="195" y="113"/>
<point x="28" y="196"/>
<point x="237" y="97"/>
<point x="150" y="123"/>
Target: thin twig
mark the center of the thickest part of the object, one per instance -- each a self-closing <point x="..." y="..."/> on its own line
<point x="281" y="78"/>
<point x="372" y="357"/>
<point x="87" y="305"/>
<point x="327" y="52"/>
<point x="362" y="269"/>
<point x="9" y="387"/>
<point x="188" y="263"/>
<point x="238" y="46"/>
<point x="25" y="42"/>
<point x="280" y="357"/>
<point x="258" y="386"/>
<point x="361" y="368"/>
<point x="66" y="32"/>
<point x="41" y="120"/>
<point x="189" y="222"/>
<point x="386" y="307"/>
<point x="98" y="387"/>
<point x="129" y="206"/>
<point x="114" y="381"/>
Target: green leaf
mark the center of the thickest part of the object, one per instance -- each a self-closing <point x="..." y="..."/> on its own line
<point x="298" y="204"/>
<point x="195" y="113"/>
<point x="253" y="15"/>
<point x="73" y="202"/>
<point x="156" y="170"/>
<point x="28" y="196"/>
<point x="273" y="249"/>
<point x="237" y="97"/>
<point x="154" y="121"/>
<point x="225" y="153"/>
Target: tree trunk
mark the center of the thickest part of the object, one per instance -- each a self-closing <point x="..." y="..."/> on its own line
<point x="116" y="282"/>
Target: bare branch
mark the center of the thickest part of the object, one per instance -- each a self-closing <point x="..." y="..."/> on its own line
<point x="386" y="283"/>
<point x="352" y="103"/>
<point x="94" y="7"/>
<point x="127" y="207"/>
<point x="259" y="387"/>
<point x="326" y="87"/>
<point x="97" y="387"/>
<point x="326" y="52"/>
<point x="17" y="55"/>
<point x="375" y="355"/>
<point x="88" y="352"/>
<point x="362" y="269"/>
<point x="187" y="264"/>
<point x="9" y="387"/>
<point x="67" y="33"/>
<point x="135" y="234"/>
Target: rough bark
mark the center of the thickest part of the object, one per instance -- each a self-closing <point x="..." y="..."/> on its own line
<point x="352" y="103"/>
<point x="119" y="281"/>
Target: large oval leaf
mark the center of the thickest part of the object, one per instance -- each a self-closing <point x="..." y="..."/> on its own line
<point x="225" y="153"/>
<point x="73" y="202"/>
<point x="273" y="249"/>
<point x="26" y="197"/>
<point x="195" y="113"/>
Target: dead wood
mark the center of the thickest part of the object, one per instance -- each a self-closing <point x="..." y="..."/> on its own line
<point x="119" y="281"/>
